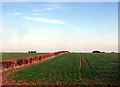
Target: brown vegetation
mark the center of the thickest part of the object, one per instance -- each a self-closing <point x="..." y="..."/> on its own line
<point x="16" y="63"/>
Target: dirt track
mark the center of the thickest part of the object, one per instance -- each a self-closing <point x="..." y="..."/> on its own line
<point x="80" y="62"/>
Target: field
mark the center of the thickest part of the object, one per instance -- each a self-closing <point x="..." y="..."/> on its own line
<point x="72" y="69"/>
<point x="9" y="56"/>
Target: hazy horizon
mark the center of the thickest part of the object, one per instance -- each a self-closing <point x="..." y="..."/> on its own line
<point x="54" y="26"/>
<point x="37" y="51"/>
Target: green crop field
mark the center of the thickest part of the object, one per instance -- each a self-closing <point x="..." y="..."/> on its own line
<point x="9" y="56"/>
<point x="72" y="69"/>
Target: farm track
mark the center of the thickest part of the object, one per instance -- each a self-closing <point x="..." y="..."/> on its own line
<point x="80" y="63"/>
<point x="83" y="57"/>
<point x="5" y="74"/>
<point x="86" y="60"/>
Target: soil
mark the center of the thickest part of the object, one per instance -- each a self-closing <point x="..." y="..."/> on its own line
<point x="80" y="62"/>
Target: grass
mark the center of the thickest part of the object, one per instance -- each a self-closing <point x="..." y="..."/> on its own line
<point x="65" y="70"/>
<point x="9" y="56"/>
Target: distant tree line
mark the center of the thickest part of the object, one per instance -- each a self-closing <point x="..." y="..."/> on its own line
<point x="96" y="51"/>
<point x="32" y="51"/>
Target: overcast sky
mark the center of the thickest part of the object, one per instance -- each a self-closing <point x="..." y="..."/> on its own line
<point x="53" y="26"/>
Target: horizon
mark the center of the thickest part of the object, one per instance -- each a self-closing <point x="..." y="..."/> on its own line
<point x="55" y="51"/>
<point x="52" y="26"/>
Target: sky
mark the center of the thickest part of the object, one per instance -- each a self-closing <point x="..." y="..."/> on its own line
<point x="55" y="26"/>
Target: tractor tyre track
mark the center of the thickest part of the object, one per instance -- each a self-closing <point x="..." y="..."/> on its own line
<point x="86" y="60"/>
<point x="80" y="63"/>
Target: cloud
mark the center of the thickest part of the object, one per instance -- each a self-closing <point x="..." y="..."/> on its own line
<point x="49" y="9"/>
<point x="23" y="13"/>
<point x="45" y="20"/>
<point x="17" y="13"/>
<point x="39" y="14"/>
<point x="45" y="9"/>
<point x="37" y="10"/>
